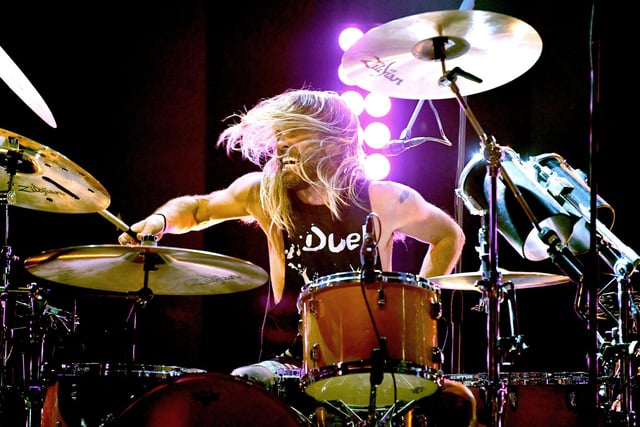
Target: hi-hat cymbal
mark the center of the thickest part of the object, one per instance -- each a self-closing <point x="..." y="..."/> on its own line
<point x="520" y="280"/>
<point x="405" y="58"/>
<point x="45" y="179"/>
<point x="18" y="82"/>
<point x="171" y="271"/>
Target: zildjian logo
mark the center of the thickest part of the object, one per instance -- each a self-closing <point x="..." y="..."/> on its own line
<point x="382" y="69"/>
<point x="35" y="189"/>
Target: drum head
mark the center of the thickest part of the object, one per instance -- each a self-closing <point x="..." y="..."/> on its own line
<point x="206" y="401"/>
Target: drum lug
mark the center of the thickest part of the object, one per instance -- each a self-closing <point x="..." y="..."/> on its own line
<point x="513" y="399"/>
<point x="436" y="306"/>
<point x="314" y="354"/>
<point x="313" y="308"/>
<point x="437" y="356"/>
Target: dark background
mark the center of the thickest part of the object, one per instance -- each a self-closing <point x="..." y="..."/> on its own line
<point x="139" y="91"/>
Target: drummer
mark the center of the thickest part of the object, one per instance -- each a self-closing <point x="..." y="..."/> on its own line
<point x="312" y="189"/>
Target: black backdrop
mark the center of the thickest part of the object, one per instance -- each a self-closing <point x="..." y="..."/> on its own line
<point x="139" y="92"/>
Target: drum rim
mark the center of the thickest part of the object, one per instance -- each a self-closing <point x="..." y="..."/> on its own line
<point x="336" y="279"/>
<point x="397" y="367"/>
<point x="524" y="378"/>
<point x="78" y="369"/>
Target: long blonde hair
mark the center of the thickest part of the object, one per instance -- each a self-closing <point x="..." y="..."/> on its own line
<point x="322" y="121"/>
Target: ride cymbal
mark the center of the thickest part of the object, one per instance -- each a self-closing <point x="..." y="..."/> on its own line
<point x="406" y="58"/>
<point x="520" y="280"/>
<point x="171" y="271"/>
<point x="20" y="85"/>
<point x="45" y="180"/>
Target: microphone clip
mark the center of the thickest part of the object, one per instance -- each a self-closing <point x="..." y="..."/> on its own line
<point x="369" y="251"/>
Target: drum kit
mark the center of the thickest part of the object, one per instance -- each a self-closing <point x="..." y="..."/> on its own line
<point x="434" y="55"/>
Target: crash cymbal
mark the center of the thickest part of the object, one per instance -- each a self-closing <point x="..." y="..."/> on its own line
<point x="20" y="85"/>
<point x="45" y="179"/>
<point x="171" y="271"/>
<point x="405" y="58"/>
<point x="520" y="280"/>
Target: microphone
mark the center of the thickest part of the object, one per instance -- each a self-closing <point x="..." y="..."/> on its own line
<point x="562" y="256"/>
<point x="369" y="251"/>
<point x="397" y="146"/>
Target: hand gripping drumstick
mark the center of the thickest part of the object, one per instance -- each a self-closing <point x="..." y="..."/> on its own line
<point x="119" y="223"/>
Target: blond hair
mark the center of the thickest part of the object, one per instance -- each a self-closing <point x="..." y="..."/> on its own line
<point x="320" y="119"/>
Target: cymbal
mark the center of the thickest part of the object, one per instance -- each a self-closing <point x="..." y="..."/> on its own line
<point x="20" y="85"/>
<point x="45" y="179"/>
<point x="404" y="58"/>
<point x="520" y="280"/>
<point x="171" y="271"/>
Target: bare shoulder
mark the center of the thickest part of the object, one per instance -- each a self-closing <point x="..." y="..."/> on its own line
<point x="243" y="191"/>
<point x="249" y="179"/>
<point x="386" y="192"/>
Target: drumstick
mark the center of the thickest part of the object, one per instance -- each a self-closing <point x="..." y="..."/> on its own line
<point x="118" y="223"/>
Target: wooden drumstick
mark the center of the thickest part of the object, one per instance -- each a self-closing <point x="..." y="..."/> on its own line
<point x="119" y="223"/>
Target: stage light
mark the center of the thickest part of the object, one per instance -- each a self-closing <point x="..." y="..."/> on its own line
<point x="348" y="37"/>
<point x="377" y="134"/>
<point x="355" y="101"/>
<point x="376" y="166"/>
<point x="377" y="105"/>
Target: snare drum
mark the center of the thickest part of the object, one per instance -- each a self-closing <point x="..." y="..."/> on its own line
<point x="93" y="394"/>
<point x="339" y="335"/>
<point x="513" y="223"/>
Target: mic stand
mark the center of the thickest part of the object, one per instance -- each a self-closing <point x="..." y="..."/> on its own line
<point x="376" y="376"/>
<point x="406" y="132"/>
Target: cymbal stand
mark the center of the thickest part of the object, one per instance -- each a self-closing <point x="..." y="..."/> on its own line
<point x="515" y="343"/>
<point x="31" y="387"/>
<point x="491" y="276"/>
<point x="143" y="295"/>
<point x="623" y="261"/>
<point x="491" y="282"/>
<point x="7" y="300"/>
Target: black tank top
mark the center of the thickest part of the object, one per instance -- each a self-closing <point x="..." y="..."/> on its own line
<point x="320" y="246"/>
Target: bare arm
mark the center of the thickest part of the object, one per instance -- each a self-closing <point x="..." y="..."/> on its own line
<point x="404" y="212"/>
<point x="196" y="212"/>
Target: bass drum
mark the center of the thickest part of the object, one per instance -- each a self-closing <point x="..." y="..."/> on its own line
<point x="211" y="400"/>
<point x="535" y="399"/>
<point x="93" y="394"/>
<point x="513" y="223"/>
<point x="342" y="320"/>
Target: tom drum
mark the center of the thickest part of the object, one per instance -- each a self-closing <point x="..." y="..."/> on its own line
<point x="344" y="323"/>
<point x="93" y="394"/>
<point x="535" y="399"/>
